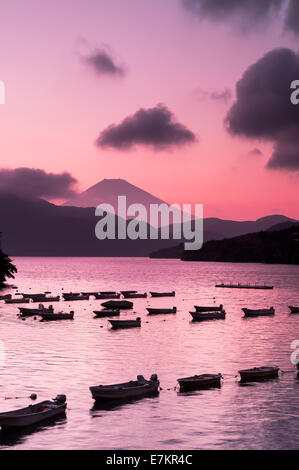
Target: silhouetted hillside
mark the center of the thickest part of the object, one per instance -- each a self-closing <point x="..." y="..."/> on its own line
<point x="262" y="247"/>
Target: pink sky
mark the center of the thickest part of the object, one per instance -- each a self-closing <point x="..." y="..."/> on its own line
<point x="56" y="106"/>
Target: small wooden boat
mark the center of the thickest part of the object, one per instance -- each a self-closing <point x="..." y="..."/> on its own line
<point x="258" y="312"/>
<point x="208" y="309"/>
<point x="89" y="293"/>
<point x="34" y="414"/>
<point x="30" y="312"/>
<point x="32" y="296"/>
<point x="258" y="373"/>
<point x="17" y="301"/>
<point x="163" y="294"/>
<point x="117" y="324"/>
<point x="244" y="286"/>
<point x="160" y="311"/>
<point x="117" y="304"/>
<point x="127" y="391"/>
<point x="5" y="297"/>
<point x="106" y="313"/>
<point x="57" y="316"/>
<point x="294" y="309"/>
<point x="71" y="298"/>
<point x="203" y="316"/>
<point x="46" y="299"/>
<point x="133" y="295"/>
<point x="198" y="382"/>
<point x="105" y="295"/>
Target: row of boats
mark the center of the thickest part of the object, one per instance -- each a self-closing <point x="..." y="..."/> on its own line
<point x="73" y="296"/>
<point x="122" y="392"/>
<point x="112" y="308"/>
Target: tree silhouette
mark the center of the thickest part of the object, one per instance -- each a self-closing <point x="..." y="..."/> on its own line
<point x="7" y="269"/>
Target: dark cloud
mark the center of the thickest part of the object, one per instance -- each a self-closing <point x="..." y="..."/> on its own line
<point x="155" y="127"/>
<point x="263" y="109"/>
<point x="35" y="183"/>
<point x="217" y="95"/>
<point x="255" y="152"/>
<point x="103" y="63"/>
<point x="244" y="11"/>
<point x="292" y="16"/>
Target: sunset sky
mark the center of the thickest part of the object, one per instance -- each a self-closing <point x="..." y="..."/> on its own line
<point x="57" y="102"/>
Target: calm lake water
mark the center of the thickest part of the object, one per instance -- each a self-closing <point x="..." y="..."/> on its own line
<point x="68" y="357"/>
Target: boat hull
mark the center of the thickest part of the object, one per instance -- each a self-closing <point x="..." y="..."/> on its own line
<point x="243" y="286"/>
<point x="208" y="309"/>
<point x="108" y="393"/>
<point x="46" y="299"/>
<point x="121" y="324"/>
<point x="56" y="316"/>
<point x="258" y="313"/>
<point x="117" y="305"/>
<point x="108" y="313"/>
<point x="161" y="311"/>
<point x="258" y="374"/>
<point x="9" y="420"/>
<point x="162" y="294"/>
<point x="200" y="382"/>
<point x="17" y="301"/>
<point x="200" y="316"/>
<point x="135" y="296"/>
<point x="107" y="296"/>
<point x="294" y="309"/>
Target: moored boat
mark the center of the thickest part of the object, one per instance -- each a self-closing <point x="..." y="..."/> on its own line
<point x="134" y="295"/>
<point x="258" y="312"/>
<point x="203" y="316"/>
<point x="30" y="312"/>
<point x="127" y="391"/>
<point x="17" y="301"/>
<point x="107" y="295"/>
<point x="244" y="286"/>
<point x="55" y="298"/>
<point x="57" y="316"/>
<point x="197" y="382"/>
<point x="32" y="296"/>
<point x="160" y="311"/>
<point x="128" y="292"/>
<point x="117" y="324"/>
<point x="72" y="297"/>
<point x="163" y="294"/>
<point x="215" y="308"/>
<point x="89" y="293"/>
<point x="5" y="297"/>
<point x="106" y="313"/>
<point x="34" y="414"/>
<point x="258" y="373"/>
<point x="118" y="304"/>
<point x="294" y="309"/>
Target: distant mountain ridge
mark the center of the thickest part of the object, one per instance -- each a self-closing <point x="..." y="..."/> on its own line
<point x="108" y="190"/>
<point x="35" y="227"/>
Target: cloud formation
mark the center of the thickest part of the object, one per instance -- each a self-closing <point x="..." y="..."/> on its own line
<point x="224" y="95"/>
<point x="155" y="127"/>
<point x="102" y="63"/>
<point x="292" y="17"/>
<point x="255" y="152"/>
<point x="263" y="109"/>
<point x="243" y="11"/>
<point x="36" y="183"/>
